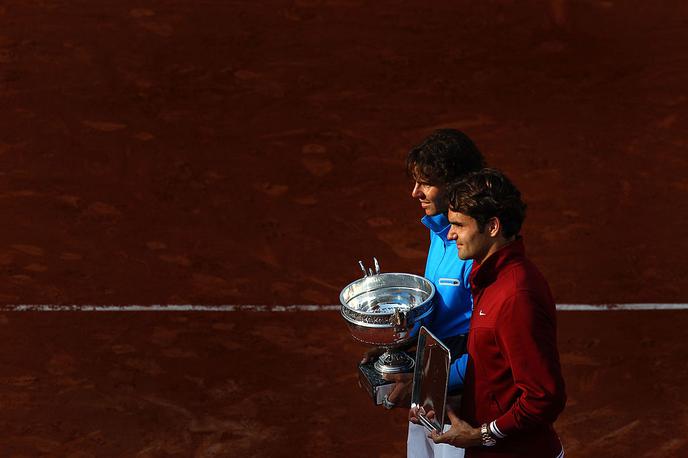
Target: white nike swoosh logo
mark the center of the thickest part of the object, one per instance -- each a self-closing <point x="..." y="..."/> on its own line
<point x="482" y="313"/>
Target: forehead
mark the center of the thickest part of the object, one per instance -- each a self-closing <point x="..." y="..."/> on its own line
<point x="418" y="175"/>
<point x="422" y="176"/>
<point x="459" y="218"/>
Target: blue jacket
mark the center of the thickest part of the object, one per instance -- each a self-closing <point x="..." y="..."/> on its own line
<point x="453" y="301"/>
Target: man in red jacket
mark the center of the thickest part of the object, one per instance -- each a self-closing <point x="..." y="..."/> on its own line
<point x="514" y="389"/>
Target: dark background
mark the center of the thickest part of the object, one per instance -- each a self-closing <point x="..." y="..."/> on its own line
<point x="251" y="153"/>
<point x="225" y="152"/>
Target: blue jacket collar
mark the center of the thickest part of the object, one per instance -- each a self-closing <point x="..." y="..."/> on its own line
<point x="439" y="224"/>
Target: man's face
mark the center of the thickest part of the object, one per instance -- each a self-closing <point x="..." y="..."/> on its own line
<point x="472" y="243"/>
<point x="431" y="197"/>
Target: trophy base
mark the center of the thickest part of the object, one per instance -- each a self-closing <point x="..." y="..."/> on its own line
<point x="370" y="375"/>
<point x="373" y="383"/>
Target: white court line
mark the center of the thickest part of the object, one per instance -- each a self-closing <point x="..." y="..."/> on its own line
<point x="289" y="308"/>
<point x="613" y="307"/>
<point x="165" y="308"/>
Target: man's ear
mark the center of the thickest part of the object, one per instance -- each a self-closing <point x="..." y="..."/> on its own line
<point x="493" y="226"/>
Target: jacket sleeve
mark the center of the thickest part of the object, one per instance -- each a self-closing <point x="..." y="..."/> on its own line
<point x="457" y="372"/>
<point x="526" y="334"/>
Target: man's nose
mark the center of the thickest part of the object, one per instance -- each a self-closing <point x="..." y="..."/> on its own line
<point x="451" y="235"/>
<point x="416" y="193"/>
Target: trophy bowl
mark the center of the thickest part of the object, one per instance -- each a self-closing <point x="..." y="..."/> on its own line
<point x="385" y="310"/>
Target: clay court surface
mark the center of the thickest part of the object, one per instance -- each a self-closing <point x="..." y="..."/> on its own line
<point x="251" y="152"/>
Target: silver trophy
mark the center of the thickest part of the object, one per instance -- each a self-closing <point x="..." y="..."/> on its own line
<point x="385" y="310"/>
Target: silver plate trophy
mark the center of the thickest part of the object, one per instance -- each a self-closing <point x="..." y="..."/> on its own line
<point x="385" y="310"/>
<point x="430" y="380"/>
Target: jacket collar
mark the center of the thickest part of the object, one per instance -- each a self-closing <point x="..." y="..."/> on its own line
<point x="484" y="274"/>
<point x="439" y="224"/>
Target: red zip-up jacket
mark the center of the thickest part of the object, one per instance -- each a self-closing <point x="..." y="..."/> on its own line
<point x="513" y="375"/>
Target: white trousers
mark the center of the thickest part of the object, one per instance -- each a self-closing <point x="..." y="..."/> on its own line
<point x="419" y="446"/>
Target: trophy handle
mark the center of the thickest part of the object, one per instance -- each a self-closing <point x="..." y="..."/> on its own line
<point x="399" y="318"/>
<point x="370" y="272"/>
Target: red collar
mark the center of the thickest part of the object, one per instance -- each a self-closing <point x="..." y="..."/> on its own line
<point x="484" y="274"/>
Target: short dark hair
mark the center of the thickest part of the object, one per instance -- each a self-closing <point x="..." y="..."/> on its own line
<point x="443" y="157"/>
<point x="488" y="194"/>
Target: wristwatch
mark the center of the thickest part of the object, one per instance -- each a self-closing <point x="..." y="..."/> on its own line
<point x="488" y="440"/>
<point x="387" y="403"/>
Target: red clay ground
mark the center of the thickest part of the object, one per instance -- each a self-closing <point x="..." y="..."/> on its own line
<point x="283" y="385"/>
<point x="250" y="153"/>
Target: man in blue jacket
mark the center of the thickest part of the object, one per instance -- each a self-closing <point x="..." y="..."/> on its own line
<point x="442" y="158"/>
